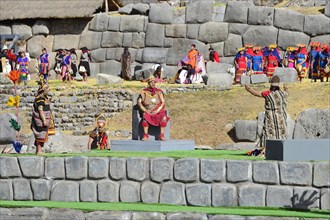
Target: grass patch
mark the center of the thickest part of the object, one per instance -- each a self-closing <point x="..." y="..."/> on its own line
<point x="313" y="10"/>
<point x="211" y="154"/>
<point x="244" y="211"/>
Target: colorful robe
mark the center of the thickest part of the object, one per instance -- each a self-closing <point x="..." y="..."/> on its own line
<point x="257" y="60"/>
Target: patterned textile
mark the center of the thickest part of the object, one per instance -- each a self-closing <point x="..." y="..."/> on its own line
<point x="275" y="116"/>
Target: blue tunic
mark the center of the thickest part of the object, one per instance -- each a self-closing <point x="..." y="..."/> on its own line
<point x="257" y="63"/>
<point x="300" y="58"/>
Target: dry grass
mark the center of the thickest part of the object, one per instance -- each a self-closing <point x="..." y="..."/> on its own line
<point x="207" y="116"/>
<point x="301" y="9"/>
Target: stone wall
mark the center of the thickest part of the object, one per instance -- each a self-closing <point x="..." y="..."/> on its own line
<point x="159" y="33"/>
<point x="189" y="181"/>
<point x="58" y="214"/>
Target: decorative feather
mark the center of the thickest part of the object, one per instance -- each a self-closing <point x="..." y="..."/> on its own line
<point x="13" y="101"/>
<point x="14" y="76"/>
<point x="17" y="146"/>
<point x="14" y="124"/>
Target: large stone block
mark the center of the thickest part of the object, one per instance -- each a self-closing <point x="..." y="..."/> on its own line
<point x="7" y="133"/>
<point x="66" y="214"/>
<point x="138" y="40"/>
<point x="246" y="130"/>
<point x="126" y="9"/>
<point x="321" y="174"/>
<point x="239" y="171"/>
<point x="32" y="166"/>
<point x="54" y="168"/>
<point x="99" y="22"/>
<point x="132" y="23"/>
<point x="41" y="189"/>
<point x="87" y="191"/>
<point x="186" y="170"/>
<point x="282" y="16"/>
<point x="108" y="215"/>
<point x="312" y="124"/>
<point x="289" y="38"/>
<point x="175" y="30"/>
<point x="228" y="217"/>
<point x="260" y="35"/>
<point x="66" y="41"/>
<point x="218" y="13"/>
<point x="259" y="78"/>
<point x="148" y="215"/>
<point x="192" y="31"/>
<point x="231" y="44"/>
<point x="99" y="55"/>
<point x="296" y="173"/>
<point x="137" y="168"/>
<point x="9" y="167"/>
<point x="198" y="194"/>
<point x="213" y="32"/>
<point x="24" y="31"/>
<point x="76" y="167"/>
<point x="22" y="189"/>
<point x="111" y="67"/>
<point x="117" y="168"/>
<point x="112" y="39"/>
<point x="98" y="167"/>
<point x="90" y="39"/>
<point x="6" y="189"/>
<point x="114" y="23"/>
<point x="36" y="43"/>
<point x="322" y="38"/>
<point x="306" y="198"/>
<point x="279" y="196"/>
<point x="129" y="191"/>
<point x="40" y="27"/>
<point x="155" y="35"/>
<point x="212" y="170"/>
<point x="150" y="192"/>
<point x="66" y="191"/>
<point x="141" y="8"/>
<point x="251" y="195"/>
<point x="179" y="16"/>
<point x="220" y="81"/>
<point x="237" y="12"/>
<point x="229" y="60"/>
<point x="314" y="25"/>
<point x="199" y="12"/>
<point x="161" y="169"/>
<point x="172" y="193"/>
<point x="325" y="199"/>
<point x="265" y="172"/>
<point x="107" y="191"/>
<point x="127" y="41"/>
<point x="237" y="28"/>
<point x="168" y="42"/>
<point x="261" y="16"/>
<point x="154" y="55"/>
<point x="25" y="214"/>
<point x="224" y="194"/>
<point x="287" y="75"/>
<point x="290" y="123"/>
<point x="161" y="13"/>
<point x="4" y="29"/>
<point x="186" y="216"/>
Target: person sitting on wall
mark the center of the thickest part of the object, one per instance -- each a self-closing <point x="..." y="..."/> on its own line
<point x="152" y="103"/>
<point x="213" y="55"/>
<point x="98" y="137"/>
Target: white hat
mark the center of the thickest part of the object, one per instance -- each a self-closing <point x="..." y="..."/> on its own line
<point x="4" y="48"/>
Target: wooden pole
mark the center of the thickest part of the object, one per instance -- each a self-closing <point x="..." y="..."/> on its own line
<point x="106" y="6"/>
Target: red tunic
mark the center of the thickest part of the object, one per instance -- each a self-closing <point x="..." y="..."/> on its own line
<point x="271" y="64"/>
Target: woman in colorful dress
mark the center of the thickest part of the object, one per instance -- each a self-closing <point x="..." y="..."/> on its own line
<point x="313" y="61"/>
<point x="66" y="67"/>
<point x="275" y="111"/>
<point x="323" y="61"/>
<point x="44" y="66"/>
<point x="272" y="59"/>
<point x="240" y="64"/>
<point x="289" y="59"/>
<point x="257" y="61"/>
<point x="301" y="59"/>
<point x="22" y="67"/>
<point x="84" y="68"/>
<point x="192" y="56"/>
<point x="249" y="54"/>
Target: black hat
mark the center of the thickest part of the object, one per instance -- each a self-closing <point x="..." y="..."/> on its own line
<point x="60" y="49"/>
<point x="84" y="48"/>
<point x="72" y="49"/>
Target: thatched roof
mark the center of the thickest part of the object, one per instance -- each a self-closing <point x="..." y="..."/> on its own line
<point x="27" y="9"/>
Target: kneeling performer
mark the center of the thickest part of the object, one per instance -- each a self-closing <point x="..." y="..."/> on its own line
<point x="151" y="101"/>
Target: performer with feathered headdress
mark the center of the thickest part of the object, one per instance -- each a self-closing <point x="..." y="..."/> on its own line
<point x="42" y="123"/>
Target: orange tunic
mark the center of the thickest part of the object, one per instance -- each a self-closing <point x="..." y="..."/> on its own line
<point x="192" y="56"/>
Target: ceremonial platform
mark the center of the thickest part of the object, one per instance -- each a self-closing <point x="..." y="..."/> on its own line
<point x="152" y="145"/>
<point x="298" y="150"/>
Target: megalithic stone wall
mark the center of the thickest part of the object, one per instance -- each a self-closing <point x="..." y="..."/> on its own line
<point x="188" y="181"/>
<point x="166" y="33"/>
